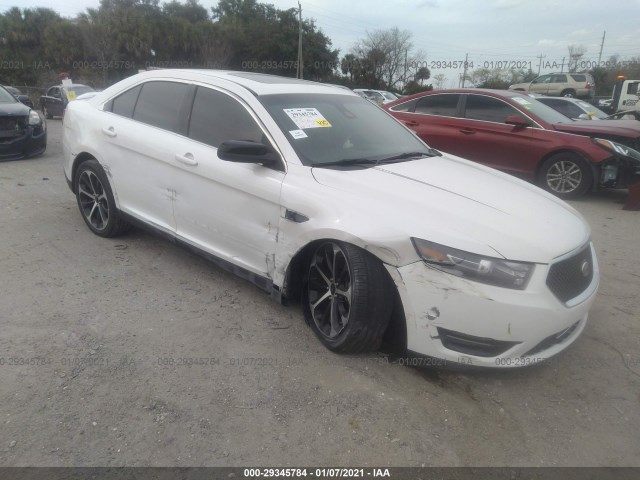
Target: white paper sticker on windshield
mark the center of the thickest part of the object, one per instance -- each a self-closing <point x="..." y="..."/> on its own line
<point x="307" y="118"/>
<point x="298" y="134"/>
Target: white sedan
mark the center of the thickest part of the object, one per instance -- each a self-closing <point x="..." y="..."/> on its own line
<point x="316" y="195"/>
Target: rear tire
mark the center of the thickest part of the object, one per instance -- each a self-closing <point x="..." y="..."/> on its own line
<point x="566" y="175"/>
<point x="95" y="201"/>
<point x="347" y="298"/>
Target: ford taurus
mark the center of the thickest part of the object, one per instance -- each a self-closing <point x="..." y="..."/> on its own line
<point x="316" y="195"/>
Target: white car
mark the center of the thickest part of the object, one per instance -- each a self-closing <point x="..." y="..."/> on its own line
<point x="314" y="194"/>
<point x="378" y="96"/>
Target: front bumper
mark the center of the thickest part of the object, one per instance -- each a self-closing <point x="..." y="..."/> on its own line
<point x="31" y="141"/>
<point x="464" y="322"/>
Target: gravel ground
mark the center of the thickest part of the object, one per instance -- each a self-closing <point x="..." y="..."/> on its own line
<point x="132" y="351"/>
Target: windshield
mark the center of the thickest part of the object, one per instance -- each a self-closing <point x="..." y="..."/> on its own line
<point x="325" y="128"/>
<point x="543" y="111"/>
<point x="389" y="96"/>
<point x="6" y="97"/>
<point x="593" y="112"/>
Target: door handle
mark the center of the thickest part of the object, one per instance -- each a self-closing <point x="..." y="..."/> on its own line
<point x="109" y="132"/>
<point x="187" y="159"/>
<point x="467" y="131"/>
<point x="411" y="123"/>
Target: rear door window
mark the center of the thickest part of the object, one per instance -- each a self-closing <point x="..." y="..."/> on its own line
<point x="488" y="109"/>
<point x="445" y="105"/>
<point x="162" y="104"/>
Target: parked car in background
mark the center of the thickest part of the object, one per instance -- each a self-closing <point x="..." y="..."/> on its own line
<point x="23" y="131"/>
<point x="378" y="96"/>
<point x="516" y="133"/>
<point x="314" y="194"/>
<point x="573" y="108"/>
<point x="579" y="85"/>
<point x="55" y="101"/>
<point x="577" y="109"/>
<point x="19" y="95"/>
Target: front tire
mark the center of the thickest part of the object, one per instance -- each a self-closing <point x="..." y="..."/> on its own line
<point x="96" y="202"/>
<point x="566" y="175"/>
<point x="568" y="93"/>
<point x="347" y="298"/>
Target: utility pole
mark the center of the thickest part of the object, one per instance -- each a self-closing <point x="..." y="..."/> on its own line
<point x="464" y="74"/>
<point x="601" y="45"/>
<point x="299" y="71"/>
<point x="540" y="57"/>
<point x="562" y="66"/>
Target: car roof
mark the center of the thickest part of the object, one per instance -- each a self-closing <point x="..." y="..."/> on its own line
<point x="486" y="91"/>
<point x="257" y="83"/>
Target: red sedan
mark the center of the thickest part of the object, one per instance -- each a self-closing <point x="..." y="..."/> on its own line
<point x="513" y="132"/>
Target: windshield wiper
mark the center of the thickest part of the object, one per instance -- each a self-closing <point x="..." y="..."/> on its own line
<point x="378" y="161"/>
<point x="407" y="155"/>
<point x="347" y="162"/>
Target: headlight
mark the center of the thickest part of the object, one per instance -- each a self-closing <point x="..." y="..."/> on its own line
<point x="617" y="148"/>
<point x="493" y="271"/>
<point x="34" y="118"/>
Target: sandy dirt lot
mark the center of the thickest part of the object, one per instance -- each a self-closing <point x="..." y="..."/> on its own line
<point x="135" y="352"/>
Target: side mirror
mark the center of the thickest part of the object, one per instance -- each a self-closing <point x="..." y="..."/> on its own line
<point x="517" y="121"/>
<point x="241" y="151"/>
<point x="584" y="116"/>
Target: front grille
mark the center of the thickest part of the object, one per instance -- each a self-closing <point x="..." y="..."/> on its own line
<point x="552" y="340"/>
<point x="570" y="277"/>
<point x="11" y="128"/>
<point x="478" y="346"/>
<point x="11" y="123"/>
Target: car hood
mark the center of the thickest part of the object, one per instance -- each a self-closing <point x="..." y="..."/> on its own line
<point x="14" y="109"/>
<point x="621" y="128"/>
<point x="458" y="203"/>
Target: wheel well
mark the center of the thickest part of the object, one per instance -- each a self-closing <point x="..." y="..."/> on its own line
<point x="559" y="152"/>
<point x="567" y="90"/>
<point x="395" y="337"/>
<point x="81" y="157"/>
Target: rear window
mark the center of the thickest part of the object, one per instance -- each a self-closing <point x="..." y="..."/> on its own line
<point x="579" y="78"/>
<point x="409" y="106"/>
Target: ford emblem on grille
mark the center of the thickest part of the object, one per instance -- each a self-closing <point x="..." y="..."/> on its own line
<point x="585" y="268"/>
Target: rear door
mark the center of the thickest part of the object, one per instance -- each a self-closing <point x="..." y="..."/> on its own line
<point x="557" y="84"/>
<point x="434" y="118"/>
<point x="140" y="137"/>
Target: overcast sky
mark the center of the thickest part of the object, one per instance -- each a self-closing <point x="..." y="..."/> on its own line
<point x="490" y="31"/>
